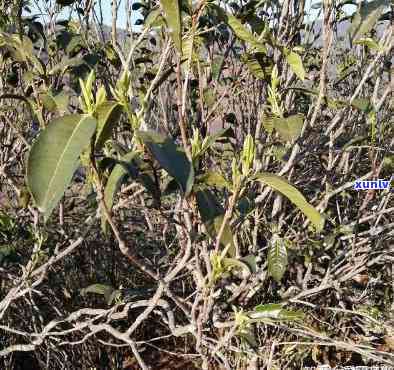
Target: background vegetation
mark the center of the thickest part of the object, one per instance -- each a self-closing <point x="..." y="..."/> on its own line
<point x="179" y="194"/>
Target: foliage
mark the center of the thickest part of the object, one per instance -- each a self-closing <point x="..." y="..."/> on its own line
<point x="217" y="145"/>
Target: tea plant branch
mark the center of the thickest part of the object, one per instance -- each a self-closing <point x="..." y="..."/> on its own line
<point x="387" y="91"/>
<point x="388" y="36"/>
<point x="152" y="304"/>
<point x="54" y="259"/>
<point x="181" y="118"/>
<point x="114" y="11"/>
<point x="158" y="79"/>
<point x="121" y="243"/>
<point x="386" y="49"/>
<point x="133" y="47"/>
<point x="367" y="351"/>
<point x="327" y="40"/>
<point x="14" y="96"/>
<point x="226" y="219"/>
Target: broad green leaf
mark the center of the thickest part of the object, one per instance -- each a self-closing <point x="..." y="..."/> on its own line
<point x="173" y="18"/>
<point x="212" y="214"/>
<point x="187" y="51"/>
<point x="244" y="34"/>
<point x="295" y="63"/>
<point x="284" y="187"/>
<point x="245" y="206"/>
<point x="210" y="140"/>
<point x="289" y="128"/>
<point x="290" y="315"/>
<point x="250" y="260"/>
<point x="369" y="42"/>
<point x="277" y="258"/>
<point x="56" y="102"/>
<point x="212" y="178"/>
<point x="237" y="263"/>
<point x="276" y="312"/>
<point x="154" y="19"/>
<point x="248" y="154"/>
<point x="97" y="289"/>
<point x="107" y="291"/>
<point x="240" y="30"/>
<point x="269" y="310"/>
<point x="190" y="49"/>
<point x="66" y="63"/>
<point x="366" y="17"/>
<point x="256" y="65"/>
<point x="76" y="41"/>
<point x="108" y="115"/>
<point x="114" y="295"/>
<point x="53" y="158"/>
<point x="21" y="50"/>
<point x="171" y="157"/>
<point x="121" y="170"/>
<point x="363" y="104"/>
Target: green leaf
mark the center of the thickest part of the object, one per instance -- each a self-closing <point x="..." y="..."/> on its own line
<point x="244" y="34"/>
<point x="190" y="50"/>
<point x="237" y="263"/>
<point x="277" y="258"/>
<point x="295" y="63"/>
<point x="256" y="64"/>
<point x="276" y="312"/>
<point x="154" y="19"/>
<point x="171" y="157"/>
<point x="284" y="187"/>
<point x="108" y="115"/>
<point x="210" y="140"/>
<point x="363" y="104"/>
<point x="369" y="42"/>
<point x="289" y="128"/>
<point x="66" y="63"/>
<point x="240" y="30"/>
<point x="58" y="102"/>
<point x="75" y="43"/>
<point x="270" y="310"/>
<point x="106" y="290"/>
<point x="173" y="18"/>
<point x="250" y="260"/>
<point x="290" y="315"/>
<point x="123" y="169"/>
<point x="53" y="158"/>
<point x="212" y="214"/>
<point x="213" y="178"/>
<point x="366" y="18"/>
